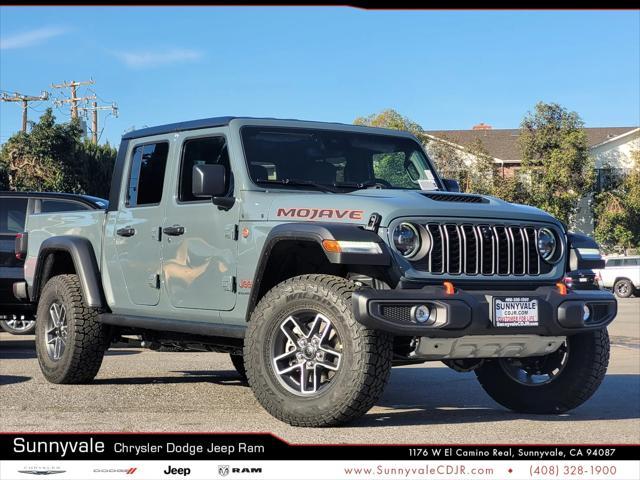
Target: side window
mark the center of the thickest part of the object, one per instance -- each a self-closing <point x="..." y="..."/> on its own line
<point x="614" y="263"/>
<point x="201" y="151"/>
<point x="51" y="206"/>
<point x="148" y="163"/>
<point x="12" y="214"/>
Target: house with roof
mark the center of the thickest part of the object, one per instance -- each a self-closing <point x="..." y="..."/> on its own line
<point x="611" y="148"/>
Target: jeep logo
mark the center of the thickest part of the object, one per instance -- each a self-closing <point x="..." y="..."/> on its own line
<point x="177" y="471"/>
<point x="313" y="213"/>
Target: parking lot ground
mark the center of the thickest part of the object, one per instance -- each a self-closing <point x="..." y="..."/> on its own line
<point x="142" y="390"/>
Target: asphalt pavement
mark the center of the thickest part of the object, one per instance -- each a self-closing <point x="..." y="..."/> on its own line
<point x="143" y="390"/>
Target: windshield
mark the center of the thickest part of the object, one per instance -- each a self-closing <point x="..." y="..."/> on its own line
<point x="307" y="157"/>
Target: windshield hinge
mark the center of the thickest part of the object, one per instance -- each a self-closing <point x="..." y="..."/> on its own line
<point x="374" y="222"/>
<point x="231" y="232"/>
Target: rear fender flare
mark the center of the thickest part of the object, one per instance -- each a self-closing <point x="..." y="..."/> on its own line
<point x="84" y="261"/>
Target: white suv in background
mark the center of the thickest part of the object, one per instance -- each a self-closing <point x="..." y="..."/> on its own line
<point x="622" y="274"/>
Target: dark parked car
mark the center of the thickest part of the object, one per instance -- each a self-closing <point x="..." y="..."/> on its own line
<point x="17" y="317"/>
<point x="583" y="280"/>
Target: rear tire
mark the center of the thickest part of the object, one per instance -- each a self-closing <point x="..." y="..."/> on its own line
<point x="587" y="357"/>
<point x="623" y="288"/>
<point x="70" y="342"/>
<point x="322" y="368"/>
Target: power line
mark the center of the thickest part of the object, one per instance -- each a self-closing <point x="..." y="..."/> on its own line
<point x="74" y="99"/>
<point x="24" y="99"/>
<point x="94" y="108"/>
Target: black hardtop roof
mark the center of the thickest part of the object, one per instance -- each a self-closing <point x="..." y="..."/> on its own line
<point x="178" y="127"/>
<point x="210" y="123"/>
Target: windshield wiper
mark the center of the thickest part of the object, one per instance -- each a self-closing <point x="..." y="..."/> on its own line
<point x="356" y="185"/>
<point x="301" y="183"/>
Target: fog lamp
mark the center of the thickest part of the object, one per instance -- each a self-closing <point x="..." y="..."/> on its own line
<point x="421" y="313"/>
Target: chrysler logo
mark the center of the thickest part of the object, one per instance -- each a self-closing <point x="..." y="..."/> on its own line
<point x="41" y="472"/>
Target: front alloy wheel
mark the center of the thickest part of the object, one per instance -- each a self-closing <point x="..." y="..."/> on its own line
<point x="309" y="362"/>
<point x="307" y="352"/>
<point x="533" y="371"/>
<point x="553" y="383"/>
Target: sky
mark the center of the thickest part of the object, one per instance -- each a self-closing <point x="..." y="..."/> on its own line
<point x="442" y="69"/>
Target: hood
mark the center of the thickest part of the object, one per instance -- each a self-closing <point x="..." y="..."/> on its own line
<point x="357" y="206"/>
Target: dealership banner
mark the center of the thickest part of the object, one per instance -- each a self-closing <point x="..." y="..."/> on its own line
<point x="264" y="456"/>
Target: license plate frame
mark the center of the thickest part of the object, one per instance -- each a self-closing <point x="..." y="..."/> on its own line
<point x="520" y="312"/>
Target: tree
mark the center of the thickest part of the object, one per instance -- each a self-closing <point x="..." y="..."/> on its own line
<point x="449" y="159"/>
<point x="390" y="119"/>
<point x="617" y="211"/>
<point x="557" y="169"/>
<point x="56" y="157"/>
<point x="472" y="167"/>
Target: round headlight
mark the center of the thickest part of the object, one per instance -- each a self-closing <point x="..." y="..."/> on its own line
<point x="546" y="244"/>
<point x="406" y="239"/>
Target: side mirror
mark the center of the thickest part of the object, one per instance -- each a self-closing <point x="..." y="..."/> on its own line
<point x="451" y="185"/>
<point x="208" y="180"/>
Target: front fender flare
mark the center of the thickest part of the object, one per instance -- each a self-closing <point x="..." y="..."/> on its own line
<point x="317" y="232"/>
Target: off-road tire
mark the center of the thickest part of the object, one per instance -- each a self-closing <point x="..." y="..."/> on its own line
<point x="623" y="288"/>
<point x="575" y="384"/>
<point x="238" y="364"/>
<point x="366" y="354"/>
<point x="4" y="325"/>
<point x="87" y="338"/>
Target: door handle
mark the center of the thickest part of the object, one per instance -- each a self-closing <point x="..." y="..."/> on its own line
<point x="126" y="232"/>
<point x="174" y="230"/>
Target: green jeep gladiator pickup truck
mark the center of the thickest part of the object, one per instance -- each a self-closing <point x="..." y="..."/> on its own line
<point x="317" y="255"/>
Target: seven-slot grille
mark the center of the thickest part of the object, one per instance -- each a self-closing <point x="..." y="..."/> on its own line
<point x="482" y="250"/>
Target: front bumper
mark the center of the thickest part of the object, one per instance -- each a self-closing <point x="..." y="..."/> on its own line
<point x="470" y="312"/>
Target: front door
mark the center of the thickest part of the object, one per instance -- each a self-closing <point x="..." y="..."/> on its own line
<point x="138" y="223"/>
<point x="199" y="244"/>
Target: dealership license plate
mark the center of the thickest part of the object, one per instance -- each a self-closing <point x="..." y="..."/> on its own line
<point x="515" y="312"/>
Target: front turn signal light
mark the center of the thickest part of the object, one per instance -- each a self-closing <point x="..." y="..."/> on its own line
<point x="562" y="288"/>
<point x="449" y="289"/>
<point x="346" y="246"/>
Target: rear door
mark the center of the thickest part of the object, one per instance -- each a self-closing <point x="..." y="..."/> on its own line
<point x="140" y="218"/>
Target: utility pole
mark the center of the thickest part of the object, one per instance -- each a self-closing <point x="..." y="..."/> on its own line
<point x="24" y="99"/>
<point x="94" y="117"/>
<point x="73" y="85"/>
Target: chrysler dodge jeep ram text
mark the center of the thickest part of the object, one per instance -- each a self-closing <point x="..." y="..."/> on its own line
<point x="317" y="255"/>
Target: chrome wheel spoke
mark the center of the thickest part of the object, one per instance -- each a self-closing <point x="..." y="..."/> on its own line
<point x="292" y="330"/>
<point x="54" y="314"/>
<point x="56" y="331"/>
<point x="308" y="375"/>
<point x="287" y="355"/>
<point x="316" y="326"/>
